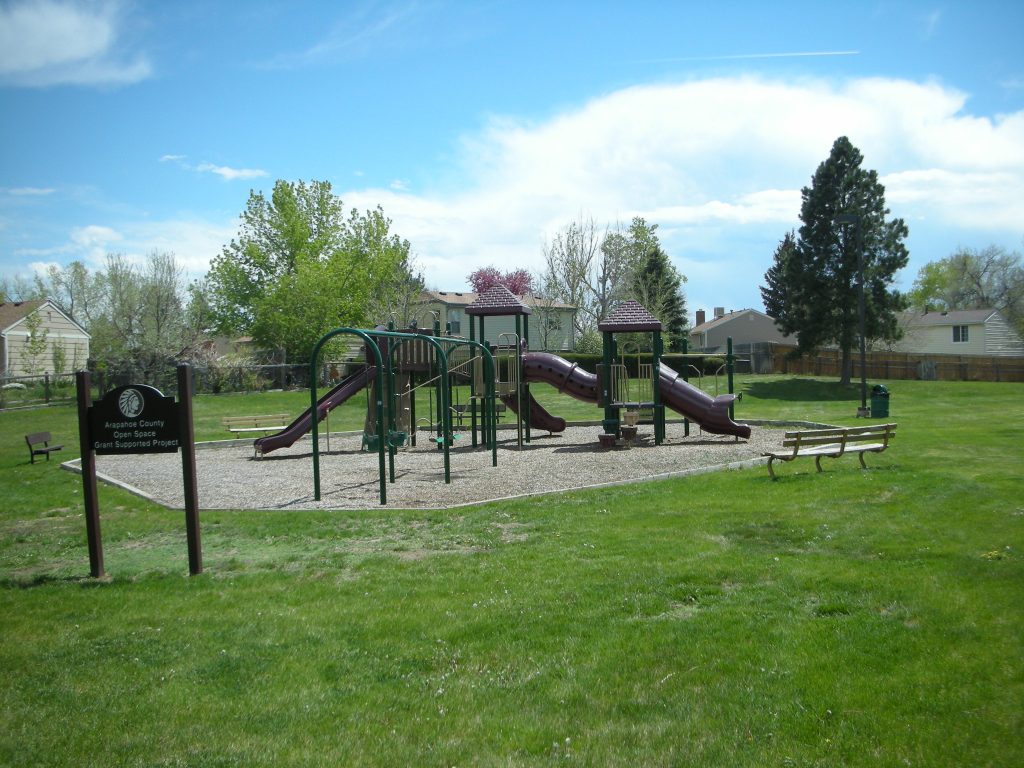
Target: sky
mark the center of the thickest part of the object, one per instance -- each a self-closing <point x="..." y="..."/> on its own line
<point x="482" y="129"/>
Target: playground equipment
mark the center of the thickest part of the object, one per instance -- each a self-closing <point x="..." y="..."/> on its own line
<point x="711" y="413"/>
<point x="624" y="399"/>
<point x="383" y="360"/>
<point x="391" y="408"/>
<point x="383" y="364"/>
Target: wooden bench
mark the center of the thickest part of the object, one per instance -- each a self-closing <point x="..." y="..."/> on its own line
<point x="833" y="442"/>
<point x="43" y="439"/>
<point x="239" y="425"/>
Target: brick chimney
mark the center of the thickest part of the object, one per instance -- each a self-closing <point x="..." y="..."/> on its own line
<point x="700" y="317"/>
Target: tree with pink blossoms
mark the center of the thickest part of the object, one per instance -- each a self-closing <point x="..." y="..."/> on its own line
<point x="519" y="282"/>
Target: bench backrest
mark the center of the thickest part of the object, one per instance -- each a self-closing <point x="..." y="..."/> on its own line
<point x="265" y="419"/>
<point x="38" y="437"/>
<point x="868" y="434"/>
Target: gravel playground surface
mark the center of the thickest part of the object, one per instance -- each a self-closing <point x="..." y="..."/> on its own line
<point x="230" y="478"/>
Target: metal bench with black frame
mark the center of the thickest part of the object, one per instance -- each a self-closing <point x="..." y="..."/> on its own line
<point x="43" y="439"/>
<point x="833" y="442"/>
<point x="239" y="425"/>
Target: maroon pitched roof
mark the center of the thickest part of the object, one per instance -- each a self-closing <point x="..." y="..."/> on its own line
<point x="497" y="300"/>
<point x="629" y="316"/>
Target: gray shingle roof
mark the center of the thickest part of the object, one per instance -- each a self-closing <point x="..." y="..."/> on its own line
<point x="952" y="317"/>
<point x="629" y="316"/>
<point x="497" y="300"/>
<point x="13" y="311"/>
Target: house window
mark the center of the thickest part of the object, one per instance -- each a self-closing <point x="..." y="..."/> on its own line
<point x="959" y="333"/>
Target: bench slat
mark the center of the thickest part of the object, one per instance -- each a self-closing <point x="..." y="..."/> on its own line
<point x="268" y="422"/>
<point x="827" y="439"/>
<point x="265" y="418"/>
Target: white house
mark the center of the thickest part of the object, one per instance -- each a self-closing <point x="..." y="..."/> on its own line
<point x="551" y="322"/>
<point x="53" y="330"/>
<point x="959" y="332"/>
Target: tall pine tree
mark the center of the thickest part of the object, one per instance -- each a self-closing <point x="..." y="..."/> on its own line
<point x="812" y="287"/>
<point x="658" y="286"/>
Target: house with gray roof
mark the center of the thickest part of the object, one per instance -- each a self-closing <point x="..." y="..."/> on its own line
<point x="745" y="326"/>
<point x="551" y="323"/>
<point x="959" y="332"/>
<point x="43" y="319"/>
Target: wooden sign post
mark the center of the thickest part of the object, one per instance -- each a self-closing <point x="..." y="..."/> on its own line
<point x="137" y="418"/>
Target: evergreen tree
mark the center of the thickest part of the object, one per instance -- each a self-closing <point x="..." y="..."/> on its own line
<point x="814" y="289"/>
<point x="659" y="287"/>
<point x="774" y="294"/>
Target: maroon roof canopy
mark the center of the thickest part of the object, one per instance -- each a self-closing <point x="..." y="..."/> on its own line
<point x="497" y="300"/>
<point x="629" y="316"/>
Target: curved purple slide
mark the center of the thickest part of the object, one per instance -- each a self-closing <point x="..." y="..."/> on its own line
<point x="539" y="418"/>
<point x="563" y="376"/>
<point x="711" y="413"/>
<point x="331" y="399"/>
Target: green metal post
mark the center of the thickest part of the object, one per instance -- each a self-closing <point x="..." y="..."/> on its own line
<point x="472" y="383"/>
<point x="686" y="377"/>
<point x="730" y="368"/>
<point x="610" y="424"/>
<point x="525" y="347"/>
<point x="378" y="381"/>
<point x="392" y="421"/>
<point x="659" y="409"/>
<point x="483" y="341"/>
<point x="491" y="437"/>
<point x="444" y="404"/>
<point x="412" y="408"/>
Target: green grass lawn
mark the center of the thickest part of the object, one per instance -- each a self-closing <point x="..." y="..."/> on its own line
<point x="843" y="618"/>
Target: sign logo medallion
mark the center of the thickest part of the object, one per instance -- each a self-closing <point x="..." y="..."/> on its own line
<point x="130" y="403"/>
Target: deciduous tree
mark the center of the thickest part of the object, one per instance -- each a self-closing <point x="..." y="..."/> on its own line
<point x="970" y="279"/>
<point x="35" y="344"/>
<point x="519" y="281"/>
<point x="595" y="271"/>
<point x="299" y="268"/>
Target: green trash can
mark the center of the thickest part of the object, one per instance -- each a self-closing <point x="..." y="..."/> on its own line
<point x="879" y="402"/>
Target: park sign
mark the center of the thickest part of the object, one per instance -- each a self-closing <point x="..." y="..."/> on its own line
<point x="135" y="418"/>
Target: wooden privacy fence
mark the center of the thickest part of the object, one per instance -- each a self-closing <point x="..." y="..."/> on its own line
<point x="902" y="365"/>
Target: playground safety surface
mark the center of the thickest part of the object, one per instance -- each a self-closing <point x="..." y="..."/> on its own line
<point x="231" y="478"/>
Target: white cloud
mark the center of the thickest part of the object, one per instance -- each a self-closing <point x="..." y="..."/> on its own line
<point x="30" y="191"/>
<point x="230" y="174"/>
<point x="192" y="241"/>
<point x="366" y="28"/>
<point x="95" y="234"/>
<point x="717" y="163"/>
<point x="704" y="156"/>
<point x="990" y="199"/>
<point x="49" y="43"/>
<point x="225" y="172"/>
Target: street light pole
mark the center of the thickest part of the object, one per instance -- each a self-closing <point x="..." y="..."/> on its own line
<point x="856" y="219"/>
